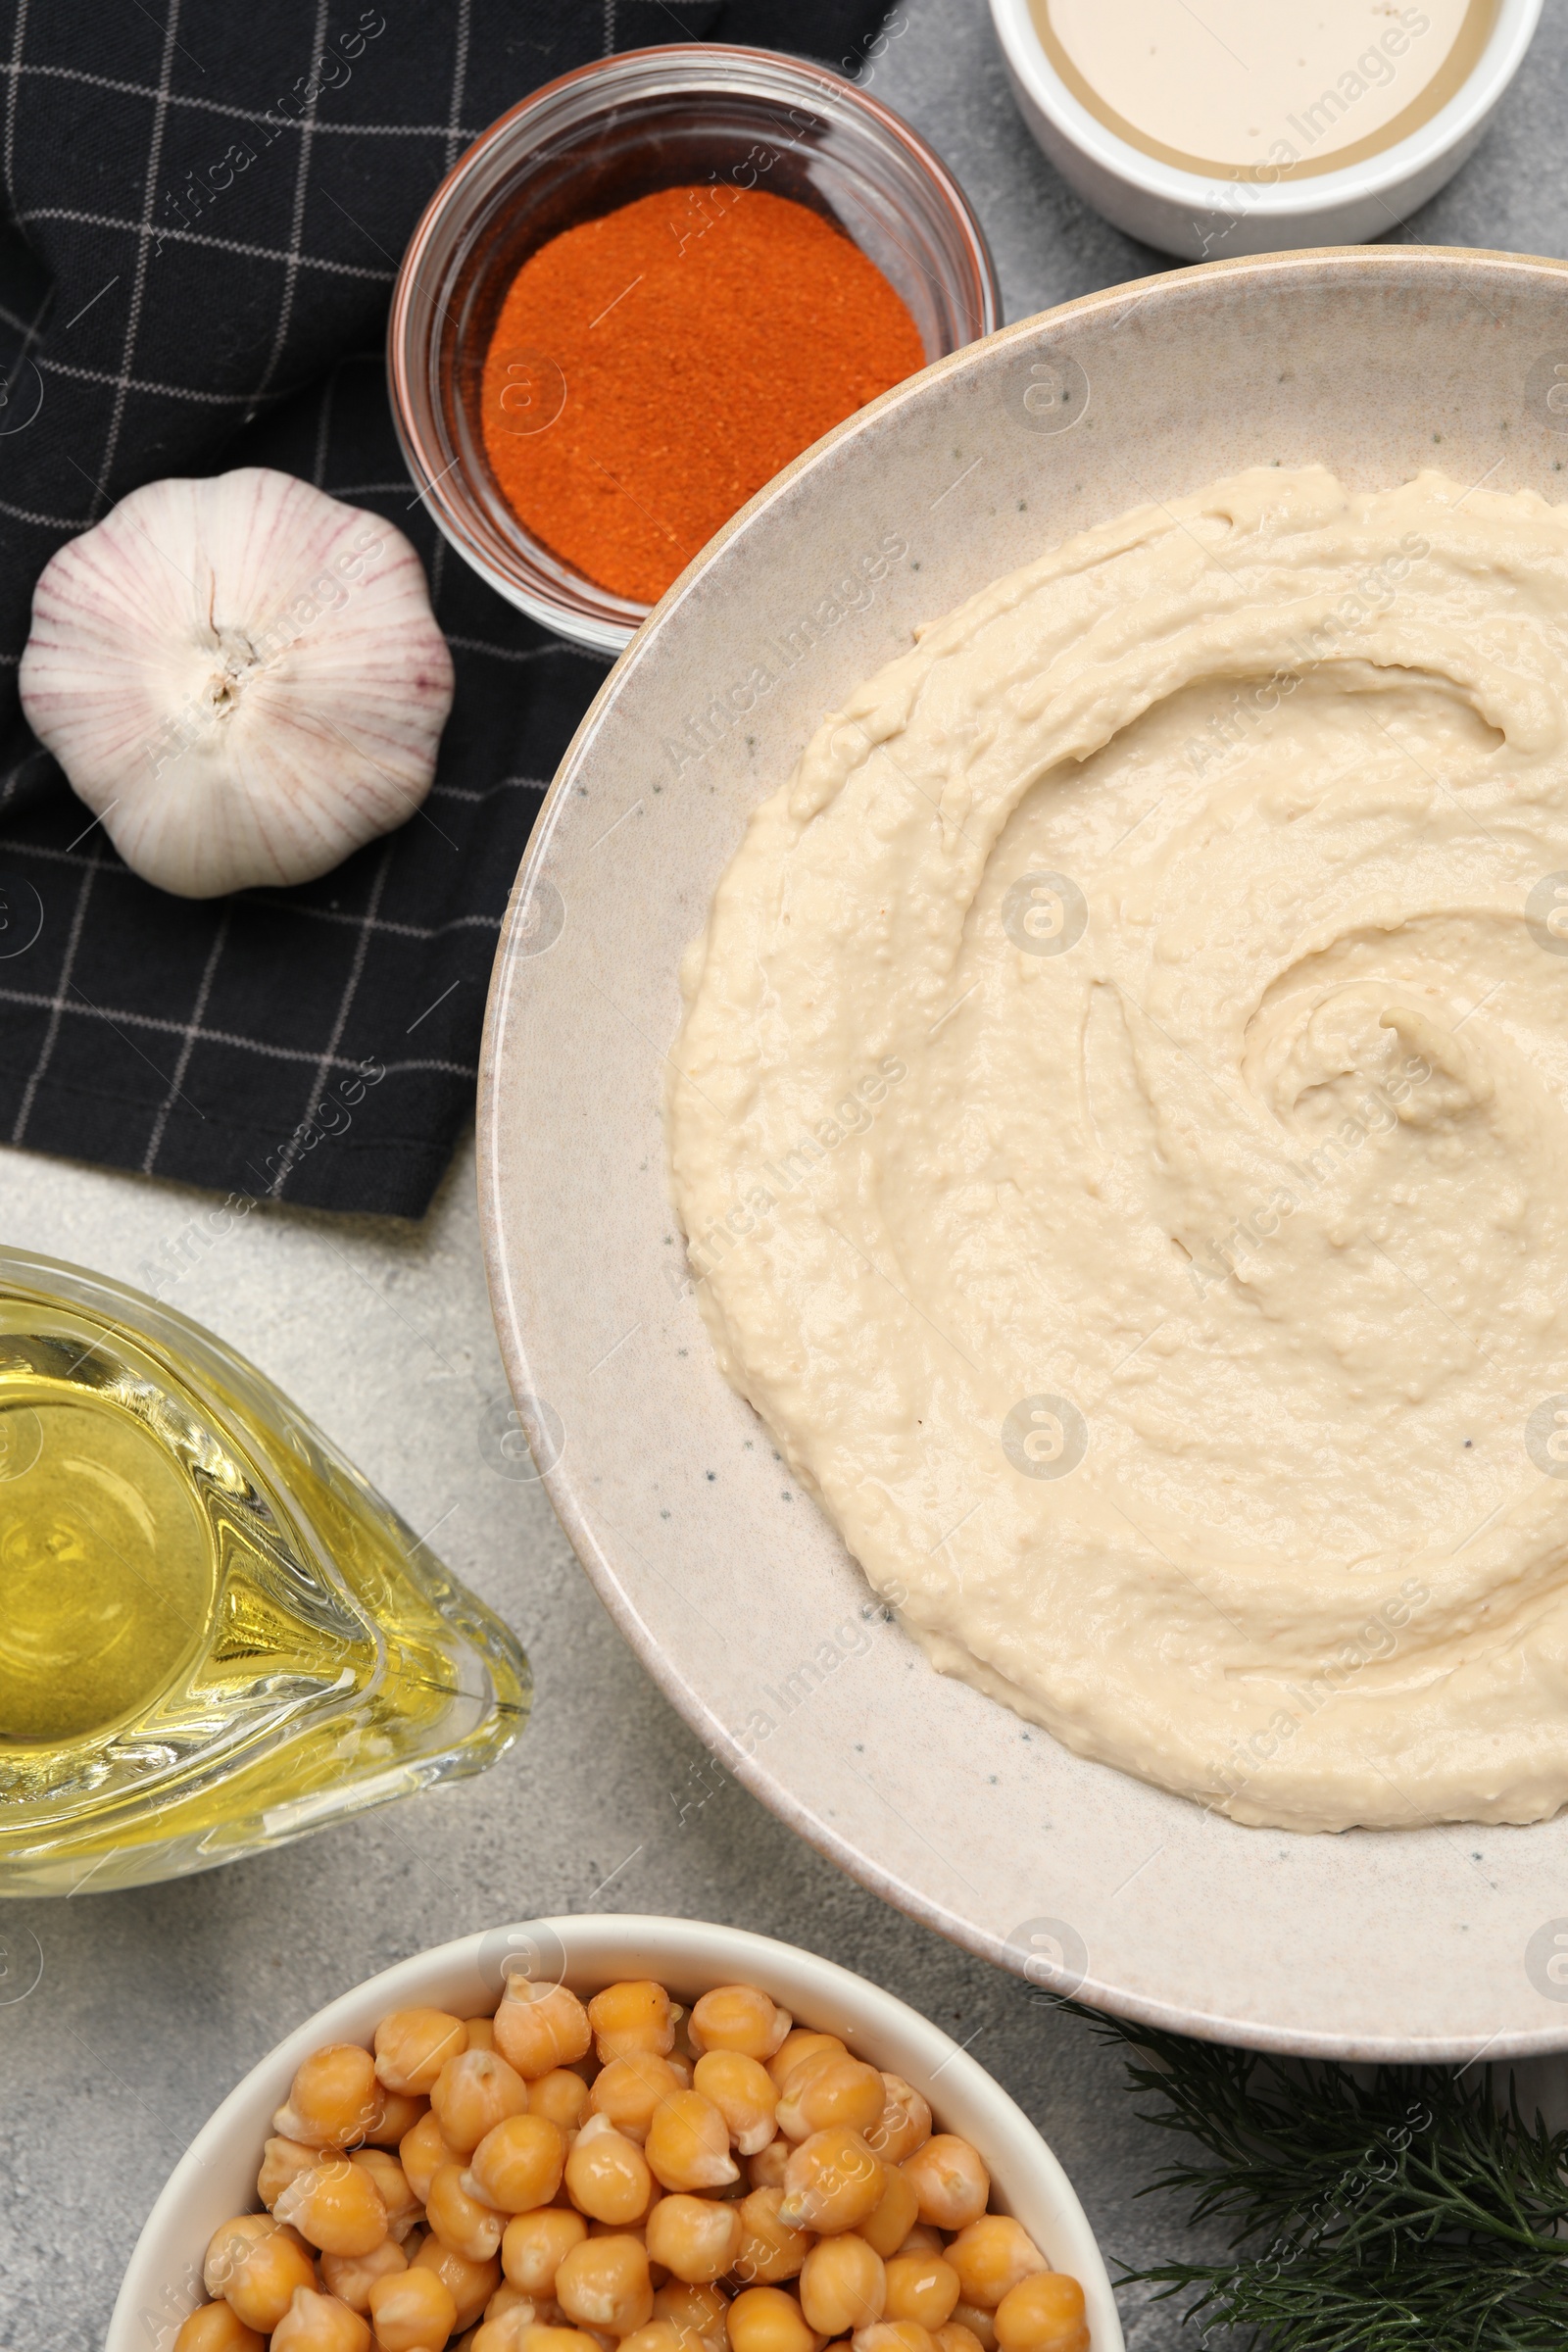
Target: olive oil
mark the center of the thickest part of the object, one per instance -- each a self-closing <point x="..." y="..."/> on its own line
<point x="214" y="1635"/>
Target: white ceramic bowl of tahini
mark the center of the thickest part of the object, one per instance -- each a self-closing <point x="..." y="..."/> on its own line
<point x="1208" y="217"/>
<point x="216" y="2177"/>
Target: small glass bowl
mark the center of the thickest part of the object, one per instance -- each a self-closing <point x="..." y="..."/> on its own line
<point x="625" y="126"/>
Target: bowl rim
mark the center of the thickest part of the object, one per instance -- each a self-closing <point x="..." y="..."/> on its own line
<point x="573" y="1508"/>
<point x="703" y="66"/>
<point x="682" y="1952"/>
<point x="1305" y="200"/>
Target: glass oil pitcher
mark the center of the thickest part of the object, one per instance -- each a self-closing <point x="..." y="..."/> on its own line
<point x="214" y="1635"/>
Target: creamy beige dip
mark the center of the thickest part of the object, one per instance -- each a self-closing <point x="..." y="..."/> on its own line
<point x="1229" y="85"/>
<point x="1121" y="1124"/>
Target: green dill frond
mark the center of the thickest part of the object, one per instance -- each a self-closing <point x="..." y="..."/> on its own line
<point x="1401" y="2209"/>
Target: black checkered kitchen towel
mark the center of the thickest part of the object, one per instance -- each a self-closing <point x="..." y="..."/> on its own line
<point x="205" y="207"/>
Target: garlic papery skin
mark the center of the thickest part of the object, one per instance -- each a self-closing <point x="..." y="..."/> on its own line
<point x="240" y="676"/>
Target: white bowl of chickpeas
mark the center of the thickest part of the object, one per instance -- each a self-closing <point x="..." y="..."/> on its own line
<point x="617" y="2134"/>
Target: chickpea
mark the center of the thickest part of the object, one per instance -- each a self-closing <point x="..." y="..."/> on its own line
<point x="334" y="2098"/>
<point x="507" y="2331"/>
<point x="399" y="2112"/>
<point x="422" y="2152"/>
<point x="516" y="2326"/>
<point x="797" y="2045"/>
<point x="827" y="2089"/>
<point x="893" y="2336"/>
<point x="507" y="2298"/>
<point x="412" y="2045"/>
<point x="688" y="2144"/>
<point x="472" y="2094"/>
<point x="905" y="2124"/>
<point x="631" y="2017"/>
<point x="658" y="2336"/>
<point x="336" y="2206"/>
<point x="634" y="2230"/>
<point x="470" y="2283"/>
<point x="351" y="2277"/>
<point x="991" y="2256"/>
<point x="604" y="2282"/>
<point x="412" y="2312"/>
<point x="517" y="2165"/>
<point x="283" y="2161"/>
<point x="629" y="2089"/>
<point x="314" y="2323"/>
<point x="539" y="2028"/>
<point x="607" y="2173"/>
<point x="765" y="2170"/>
<point x="736" y="2016"/>
<point x="886" y="2228"/>
<point x="562" y="2096"/>
<point x="764" y="2319"/>
<point x="843" y="2285"/>
<point x="922" y="2288"/>
<point x="832" y="2181"/>
<point x="727" y="2144"/>
<point x="950" y="2182"/>
<point x="320" y="2320"/>
<point x="694" y="2237"/>
<point x="743" y="2091"/>
<point x="1044" y="2313"/>
<point x="397" y="2193"/>
<point x="460" y="2221"/>
<point x="214" y="2327"/>
<point x="699" y="2315"/>
<point x="548" y="2313"/>
<point x="534" y="2243"/>
<point x="771" y="2248"/>
<point x="255" y="2264"/>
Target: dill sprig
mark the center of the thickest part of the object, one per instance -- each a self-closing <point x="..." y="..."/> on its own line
<point x="1396" y="2209"/>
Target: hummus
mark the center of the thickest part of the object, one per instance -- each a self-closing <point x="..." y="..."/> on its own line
<point x="1120" y="1122"/>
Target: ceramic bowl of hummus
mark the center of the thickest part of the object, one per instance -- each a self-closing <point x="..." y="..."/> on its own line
<point x="1023" y="1133"/>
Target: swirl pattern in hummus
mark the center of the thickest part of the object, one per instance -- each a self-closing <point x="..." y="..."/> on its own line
<point x="1121" y="1125"/>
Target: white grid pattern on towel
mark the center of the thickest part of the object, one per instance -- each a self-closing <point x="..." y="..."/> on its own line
<point x="206" y="1014"/>
<point x="332" y="914"/>
<point x="115" y="1017"/>
<point x="302" y="184"/>
<point x="145" y="229"/>
<point x="14" y="67"/>
<point x="67" y="1000"/>
<point x="58" y="1002"/>
<point x="176" y="1088"/>
<point x="234" y="114"/>
<point x="138" y="288"/>
<point x="328" y="1057"/>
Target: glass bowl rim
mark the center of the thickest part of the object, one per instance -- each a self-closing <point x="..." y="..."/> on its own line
<point x="712" y="67"/>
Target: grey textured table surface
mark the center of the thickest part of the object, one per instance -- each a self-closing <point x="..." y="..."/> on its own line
<point x="152" y="2003"/>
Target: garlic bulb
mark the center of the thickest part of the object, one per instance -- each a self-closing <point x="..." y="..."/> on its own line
<point x="241" y="676"/>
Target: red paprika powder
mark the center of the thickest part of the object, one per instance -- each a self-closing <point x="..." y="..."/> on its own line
<point x="652" y="369"/>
